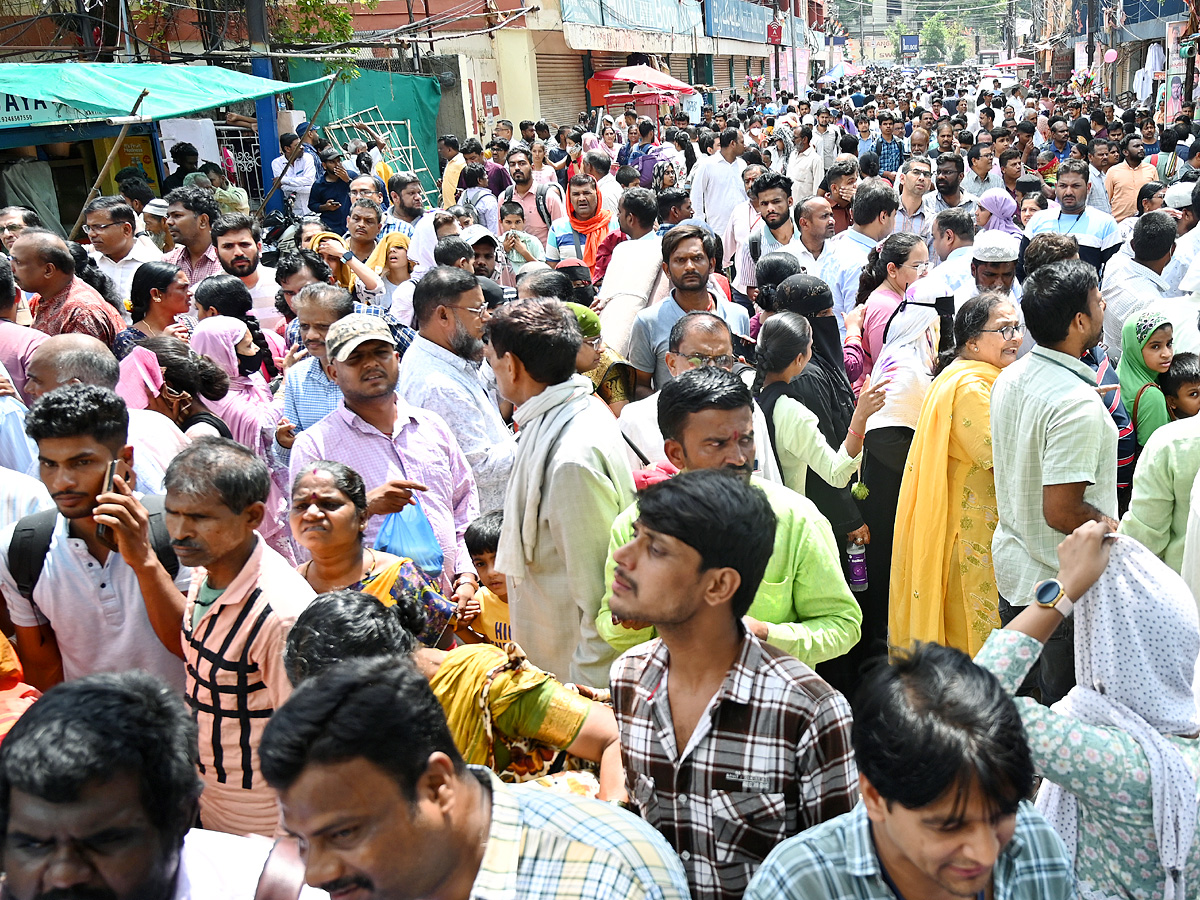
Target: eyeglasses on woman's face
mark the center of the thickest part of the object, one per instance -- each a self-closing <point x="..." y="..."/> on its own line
<point x="1008" y="332"/>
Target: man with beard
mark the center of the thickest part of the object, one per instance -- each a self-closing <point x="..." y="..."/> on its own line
<point x="715" y="722"/>
<point x="238" y="240"/>
<point x="1122" y="182"/>
<point x="949" y="193"/>
<point x="687" y="254"/>
<point x="440" y="373"/>
<point x="408" y="204"/>
<point x="772" y="193"/>
<point x="543" y="203"/>
<point x="396" y="447"/>
<point x="116" y="754"/>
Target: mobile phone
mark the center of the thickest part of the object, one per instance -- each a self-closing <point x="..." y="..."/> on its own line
<point x="104" y="533"/>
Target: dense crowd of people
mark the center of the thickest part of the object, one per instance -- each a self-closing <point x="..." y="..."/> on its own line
<point x="801" y="502"/>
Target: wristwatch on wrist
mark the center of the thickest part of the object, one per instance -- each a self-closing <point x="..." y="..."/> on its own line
<point x="1050" y="595"/>
<point x="347" y="256"/>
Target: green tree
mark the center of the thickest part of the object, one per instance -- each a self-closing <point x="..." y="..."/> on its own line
<point x="933" y="38"/>
<point x="958" y="50"/>
<point x="893" y="35"/>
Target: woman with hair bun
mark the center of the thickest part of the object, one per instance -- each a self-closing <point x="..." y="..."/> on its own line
<point x="226" y="295"/>
<point x="189" y="378"/>
<point x="784" y="349"/>
<point x="159" y="304"/>
<point x="892" y="267"/>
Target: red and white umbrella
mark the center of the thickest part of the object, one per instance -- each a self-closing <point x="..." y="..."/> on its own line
<point x="1015" y="63"/>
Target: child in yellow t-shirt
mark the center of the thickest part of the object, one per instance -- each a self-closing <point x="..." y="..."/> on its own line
<point x="482" y="537"/>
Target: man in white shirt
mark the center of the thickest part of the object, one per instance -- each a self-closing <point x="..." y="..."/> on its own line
<point x="953" y="236"/>
<point x="238" y="240"/>
<point x="92" y="609"/>
<point x="815" y="222"/>
<point x="697" y="339"/>
<point x="776" y="232"/>
<point x="982" y="176"/>
<point x="110" y="224"/>
<point x="1184" y="199"/>
<point x="1130" y="285"/>
<point x="299" y="178"/>
<point x="440" y="373"/>
<point x="806" y="168"/>
<point x="131" y="760"/>
<point x="743" y="219"/>
<point x="597" y="164"/>
<point x="717" y="184"/>
<point x="825" y="137"/>
<point x="874" y="208"/>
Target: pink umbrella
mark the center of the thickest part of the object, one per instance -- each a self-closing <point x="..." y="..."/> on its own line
<point x="1015" y="63"/>
<point x="644" y="75"/>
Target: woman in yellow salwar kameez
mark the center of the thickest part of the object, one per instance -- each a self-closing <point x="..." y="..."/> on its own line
<point x="503" y="712"/>
<point x="943" y="587"/>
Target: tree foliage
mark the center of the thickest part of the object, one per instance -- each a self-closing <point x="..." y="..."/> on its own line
<point x="934" y="37"/>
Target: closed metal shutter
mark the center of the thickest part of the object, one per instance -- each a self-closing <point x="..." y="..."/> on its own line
<point x="561" y="92"/>
<point x="741" y="68"/>
<point x="601" y="61"/>
<point x="721" y="77"/>
<point x="679" y="67"/>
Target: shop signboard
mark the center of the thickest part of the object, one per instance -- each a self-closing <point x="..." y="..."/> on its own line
<point x="910" y="44"/>
<point x="19" y="112"/>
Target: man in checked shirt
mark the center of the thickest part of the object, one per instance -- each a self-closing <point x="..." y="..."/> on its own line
<point x="745" y="745"/>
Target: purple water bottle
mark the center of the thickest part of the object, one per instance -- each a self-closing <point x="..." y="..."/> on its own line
<point x="856" y="554"/>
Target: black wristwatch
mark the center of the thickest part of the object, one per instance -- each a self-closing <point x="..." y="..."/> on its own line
<point x="347" y="256"/>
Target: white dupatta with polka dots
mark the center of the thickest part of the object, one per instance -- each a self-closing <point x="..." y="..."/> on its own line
<point x="1137" y="638"/>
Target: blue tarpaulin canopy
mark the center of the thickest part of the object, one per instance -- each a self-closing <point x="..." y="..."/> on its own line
<point x="37" y="94"/>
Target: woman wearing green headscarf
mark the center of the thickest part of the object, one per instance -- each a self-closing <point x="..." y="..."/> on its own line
<point x="1146" y="352"/>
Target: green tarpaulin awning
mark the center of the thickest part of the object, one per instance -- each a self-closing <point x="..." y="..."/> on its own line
<point x="59" y="93"/>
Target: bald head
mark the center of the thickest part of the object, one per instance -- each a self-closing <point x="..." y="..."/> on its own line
<point x="41" y="262"/>
<point x="70" y="359"/>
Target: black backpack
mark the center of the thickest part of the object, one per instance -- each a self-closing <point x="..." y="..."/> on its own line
<point x="31" y="543"/>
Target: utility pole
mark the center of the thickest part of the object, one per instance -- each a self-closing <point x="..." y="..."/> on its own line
<point x="264" y="107"/>
<point x="1012" y="28"/>
<point x="792" y="43"/>
<point x="1091" y="32"/>
<point x="862" y="40"/>
<point x="776" y="55"/>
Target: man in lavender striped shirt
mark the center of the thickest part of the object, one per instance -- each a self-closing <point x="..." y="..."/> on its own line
<point x="403" y="453"/>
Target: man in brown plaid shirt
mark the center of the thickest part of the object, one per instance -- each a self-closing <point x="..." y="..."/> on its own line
<point x="745" y="745"/>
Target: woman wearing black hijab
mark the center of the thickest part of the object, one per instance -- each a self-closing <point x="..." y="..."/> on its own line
<point x="823" y="387"/>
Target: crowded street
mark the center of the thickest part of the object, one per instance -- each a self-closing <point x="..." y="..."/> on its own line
<point x="682" y="484"/>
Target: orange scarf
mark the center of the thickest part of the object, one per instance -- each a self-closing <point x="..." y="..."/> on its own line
<point x="594" y="229"/>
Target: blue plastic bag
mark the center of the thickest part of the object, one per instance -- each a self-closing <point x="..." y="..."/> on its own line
<point x="408" y="533"/>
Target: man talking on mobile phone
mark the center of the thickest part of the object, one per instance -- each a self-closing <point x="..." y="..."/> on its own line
<point x="330" y="196"/>
<point x="76" y="606"/>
